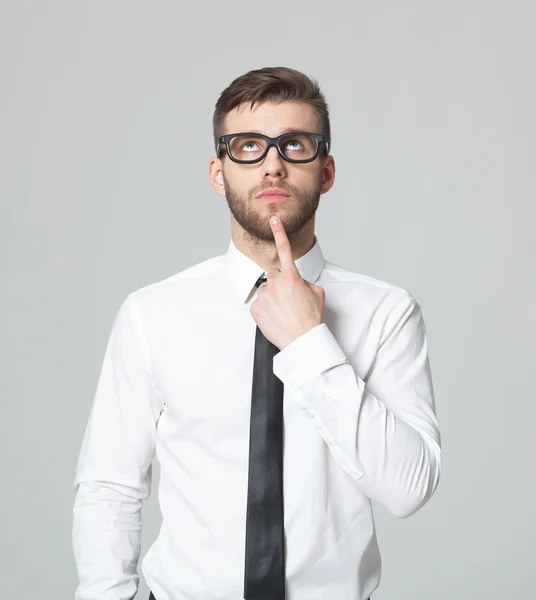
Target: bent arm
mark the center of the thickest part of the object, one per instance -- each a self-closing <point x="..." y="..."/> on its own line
<point x="383" y="431"/>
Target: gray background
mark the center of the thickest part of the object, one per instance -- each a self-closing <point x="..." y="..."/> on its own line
<point x="105" y="136"/>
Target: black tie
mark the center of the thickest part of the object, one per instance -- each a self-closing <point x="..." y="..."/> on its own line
<point x="264" y="577"/>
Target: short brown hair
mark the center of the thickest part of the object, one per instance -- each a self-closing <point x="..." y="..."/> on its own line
<point x="274" y="84"/>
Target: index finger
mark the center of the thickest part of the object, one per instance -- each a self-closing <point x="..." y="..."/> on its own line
<point x="284" y="249"/>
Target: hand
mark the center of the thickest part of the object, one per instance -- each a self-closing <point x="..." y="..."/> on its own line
<point x="287" y="306"/>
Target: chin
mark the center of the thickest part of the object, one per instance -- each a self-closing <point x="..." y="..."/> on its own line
<point x="265" y="236"/>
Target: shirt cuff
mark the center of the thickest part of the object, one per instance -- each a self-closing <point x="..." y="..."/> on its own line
<point x="308" y="356"/>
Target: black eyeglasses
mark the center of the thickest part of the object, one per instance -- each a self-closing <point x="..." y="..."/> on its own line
<point x="295" y="147"/>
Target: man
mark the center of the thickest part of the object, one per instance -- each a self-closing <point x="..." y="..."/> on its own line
<point x="280" y="392"/>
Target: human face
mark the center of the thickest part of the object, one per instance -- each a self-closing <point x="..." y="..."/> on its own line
<point x="302" y="184"/>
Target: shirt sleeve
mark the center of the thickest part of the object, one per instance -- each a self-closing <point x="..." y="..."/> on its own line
<point x="113" y="474"/>
<point x="383" y="431"/>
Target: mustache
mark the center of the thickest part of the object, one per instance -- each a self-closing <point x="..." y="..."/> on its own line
<point x="282" y="186"/>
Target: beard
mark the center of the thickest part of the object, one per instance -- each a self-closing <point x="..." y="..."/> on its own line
<point x="256" y="224"/>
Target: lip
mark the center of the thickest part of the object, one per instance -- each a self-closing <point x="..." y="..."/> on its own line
<point x="273" y="195"/>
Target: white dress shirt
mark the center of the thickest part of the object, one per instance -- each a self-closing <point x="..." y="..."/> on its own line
<point x="359" y="424"/>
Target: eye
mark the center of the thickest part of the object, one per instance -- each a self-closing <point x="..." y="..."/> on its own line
<point x="293" y="145"/>
<point x="249" y="146"/>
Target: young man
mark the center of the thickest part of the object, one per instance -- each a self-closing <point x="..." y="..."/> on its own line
<point x="280" y="392"/>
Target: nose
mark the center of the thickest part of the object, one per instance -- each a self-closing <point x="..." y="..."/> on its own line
<point x="273" y="164"/>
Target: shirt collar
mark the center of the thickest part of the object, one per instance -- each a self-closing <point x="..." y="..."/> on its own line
<point x="244" y="272"/>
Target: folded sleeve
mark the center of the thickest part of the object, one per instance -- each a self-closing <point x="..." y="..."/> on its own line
<point x="381" y="429"/>
<point x="113" y="474"/>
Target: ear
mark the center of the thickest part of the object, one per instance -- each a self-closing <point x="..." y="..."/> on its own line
<point x="216" y="175"/>
<point x="328" y="174"/>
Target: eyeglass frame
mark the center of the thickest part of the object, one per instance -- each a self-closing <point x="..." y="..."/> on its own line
<point x="273" y="141"/>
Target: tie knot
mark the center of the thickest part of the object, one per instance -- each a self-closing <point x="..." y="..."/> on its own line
<point x="260" y="280"/>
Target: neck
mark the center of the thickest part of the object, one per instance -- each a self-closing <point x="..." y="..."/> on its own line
<point x="264" y="253"/>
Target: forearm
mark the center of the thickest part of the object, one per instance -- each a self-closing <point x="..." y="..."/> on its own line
<point x="394" y="462"/>
<point x="106" y="538"/>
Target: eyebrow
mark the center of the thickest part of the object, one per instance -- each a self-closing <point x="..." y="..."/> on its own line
<point x="287" y="130"/>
